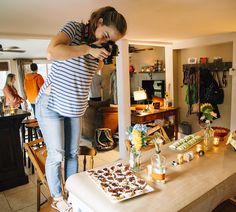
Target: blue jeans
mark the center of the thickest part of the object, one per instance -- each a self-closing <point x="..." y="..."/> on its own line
<point x="62" y="136"/>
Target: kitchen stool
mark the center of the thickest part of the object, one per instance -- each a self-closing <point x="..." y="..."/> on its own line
<point x="24" y="136"/>
<point x="33" y="133"/>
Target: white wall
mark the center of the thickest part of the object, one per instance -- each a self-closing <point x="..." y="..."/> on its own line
<point x="145" y="58"/>
<point x="233" y="95"/>
<point x="225" y="51"/>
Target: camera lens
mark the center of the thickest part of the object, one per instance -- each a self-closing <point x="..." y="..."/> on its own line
<point x="113" y="49"/>
<point x="108" y="60"/>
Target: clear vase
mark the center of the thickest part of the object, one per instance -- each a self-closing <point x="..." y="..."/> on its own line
<point x="208" y="138"/>
<point x="158" y="162"/>
<point x="134" y="160"/>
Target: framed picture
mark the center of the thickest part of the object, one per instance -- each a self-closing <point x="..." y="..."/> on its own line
<point x="192" y="60"/>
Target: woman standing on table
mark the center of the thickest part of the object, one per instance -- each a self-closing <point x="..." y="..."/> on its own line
<point x="63" y="98"/>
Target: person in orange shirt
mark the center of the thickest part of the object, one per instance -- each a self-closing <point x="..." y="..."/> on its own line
<point x="12" y="97"/>
<point x="32" y="83"/>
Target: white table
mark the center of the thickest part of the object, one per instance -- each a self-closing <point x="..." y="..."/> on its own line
<point x="197" y="186"/>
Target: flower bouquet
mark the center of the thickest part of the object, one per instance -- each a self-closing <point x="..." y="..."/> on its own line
<point x="138" y="139"/>
<point x="208" y="115"/>
<point x="140" y="136"/>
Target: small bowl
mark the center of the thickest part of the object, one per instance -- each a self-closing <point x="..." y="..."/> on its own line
<point x="220" y="132"/>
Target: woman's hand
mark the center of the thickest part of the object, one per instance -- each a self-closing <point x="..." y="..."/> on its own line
<point x="99" y="53"/>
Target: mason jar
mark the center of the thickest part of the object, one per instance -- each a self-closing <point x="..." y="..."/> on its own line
<point x="158" y="162"/>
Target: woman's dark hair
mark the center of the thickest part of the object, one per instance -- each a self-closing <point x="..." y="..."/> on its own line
<point x="33" y="67"/>
<point x="110" y="18"/>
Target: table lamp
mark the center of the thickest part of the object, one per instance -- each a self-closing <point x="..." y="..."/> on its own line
<point x="141" y="95"/>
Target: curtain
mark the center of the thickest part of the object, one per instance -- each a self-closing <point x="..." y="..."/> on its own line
<point x="21" y="63"/>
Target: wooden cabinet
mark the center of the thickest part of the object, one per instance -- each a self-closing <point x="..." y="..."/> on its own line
<point x="11" y="161"/>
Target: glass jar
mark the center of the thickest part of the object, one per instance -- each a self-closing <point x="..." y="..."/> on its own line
<point x="134" y="159"/>
<point x="158" y="162"/>
<point x="208" y="138"/>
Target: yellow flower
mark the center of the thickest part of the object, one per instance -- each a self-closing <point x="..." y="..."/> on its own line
<point x="206" y="106"/>
<point x="208" y="114"/>
<point x="137" y="140"/>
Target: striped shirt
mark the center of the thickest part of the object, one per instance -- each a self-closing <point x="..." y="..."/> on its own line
<point x="70" y="79"/>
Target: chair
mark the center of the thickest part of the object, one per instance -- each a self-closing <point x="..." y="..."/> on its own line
<point x="33" y="133"/>
<point x="87" y="151"/>
<point x="162" y="131"/>
<point x="37" y="153"/>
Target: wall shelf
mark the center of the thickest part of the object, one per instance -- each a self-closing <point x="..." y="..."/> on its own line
<point x="218" y="66"/>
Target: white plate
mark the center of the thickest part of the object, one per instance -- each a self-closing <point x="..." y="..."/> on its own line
<point x="146" y="190"/>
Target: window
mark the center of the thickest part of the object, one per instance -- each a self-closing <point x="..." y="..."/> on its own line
<point x="44" y="67"/>
<point x="4" y="71"/>
<point x="3" y="77"/>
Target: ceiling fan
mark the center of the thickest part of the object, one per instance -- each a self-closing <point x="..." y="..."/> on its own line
<point x="14" y="49"/>
<point x="133" y="49"/>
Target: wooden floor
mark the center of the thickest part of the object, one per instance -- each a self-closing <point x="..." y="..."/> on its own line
<point x="12" y="200"/>
<point x="47" y="207"/>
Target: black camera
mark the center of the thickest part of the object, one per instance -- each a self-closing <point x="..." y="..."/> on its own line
<point x="113" y="49"/>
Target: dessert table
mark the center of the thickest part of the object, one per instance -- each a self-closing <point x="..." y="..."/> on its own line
<point x="199" y="185"/>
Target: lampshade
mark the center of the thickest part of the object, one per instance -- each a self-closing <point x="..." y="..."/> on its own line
<point x="140" y="95"/>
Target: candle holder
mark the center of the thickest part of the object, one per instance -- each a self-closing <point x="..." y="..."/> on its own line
<point x="200" y="149"/>
<point x="216" y="141"/>
<point x="12" y="110"/>
<point x="180" y="159"/>
<point x="149" y="172"/>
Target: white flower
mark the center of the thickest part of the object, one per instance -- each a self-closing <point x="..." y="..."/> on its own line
<point x="213" y="114"/>
<point x="202" y="118"/>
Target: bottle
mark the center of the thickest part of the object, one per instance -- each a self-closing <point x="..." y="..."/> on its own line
<point x="158" y="162"/>
<point x="166" y="100"/>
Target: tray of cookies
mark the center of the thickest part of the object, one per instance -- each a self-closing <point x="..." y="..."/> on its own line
<point x="118" y="182"/>
<point x="185" y="143"/>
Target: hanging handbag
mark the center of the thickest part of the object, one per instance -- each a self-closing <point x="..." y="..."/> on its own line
<point x="216" y="91"/>
<point x="103" y="140"/>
